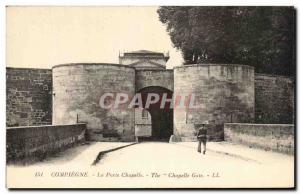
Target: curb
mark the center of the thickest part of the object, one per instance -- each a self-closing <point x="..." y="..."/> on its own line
<point x="102" y="153"/>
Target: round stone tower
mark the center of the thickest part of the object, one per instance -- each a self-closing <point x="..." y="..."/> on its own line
<point x="222" y="94"/>
<point x="77" y="89"/>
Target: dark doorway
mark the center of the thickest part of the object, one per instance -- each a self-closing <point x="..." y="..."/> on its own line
<point x="161" y="117"/>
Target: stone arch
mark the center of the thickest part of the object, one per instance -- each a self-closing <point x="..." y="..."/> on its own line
<point x="161" y="116"/>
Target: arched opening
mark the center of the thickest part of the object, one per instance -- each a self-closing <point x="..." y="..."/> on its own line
<point x="161" y="115"/>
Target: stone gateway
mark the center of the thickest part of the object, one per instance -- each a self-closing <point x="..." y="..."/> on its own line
<point x="223" y="93"/>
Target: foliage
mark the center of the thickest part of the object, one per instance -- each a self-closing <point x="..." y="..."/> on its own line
<point x="263" y="37"/>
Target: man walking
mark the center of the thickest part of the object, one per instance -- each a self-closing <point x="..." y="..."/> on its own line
<point x="202" y="136"/>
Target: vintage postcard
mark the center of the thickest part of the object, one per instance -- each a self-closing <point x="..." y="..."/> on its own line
<point x="150" y="97"/>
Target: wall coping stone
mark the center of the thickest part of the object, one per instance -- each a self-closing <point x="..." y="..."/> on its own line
<point x="258" y="124"/>
<point x="42" y="126"/>
<point x="169" y="70"/>
<point x="27" y="68"/>
<point x="103" y="64"/>
<point x="271" y="75"/>
<point x="211" y="64"/>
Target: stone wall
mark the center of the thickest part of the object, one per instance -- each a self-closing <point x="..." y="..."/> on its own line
<point x="276" y="137"/>
<point x="27" y="144"/>
<point x="28" y="97"/>
<point x="77" y="89"/>
<point x="155" y="77"/>
<point x="223" y="93"/>
<point x="274" y="99"/>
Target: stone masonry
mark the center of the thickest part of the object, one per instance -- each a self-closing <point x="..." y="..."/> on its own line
<point x="274" y="99"/>
<point x="276" y="137"/>
<point x="30" y="143"/>
<point x="224" y="92"/>
<point x="28" y="97"/>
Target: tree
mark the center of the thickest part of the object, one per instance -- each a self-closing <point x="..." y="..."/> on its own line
<point x="263" y="37"/>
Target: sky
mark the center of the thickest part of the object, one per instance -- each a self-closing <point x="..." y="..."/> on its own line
<point x="40" y="37"/>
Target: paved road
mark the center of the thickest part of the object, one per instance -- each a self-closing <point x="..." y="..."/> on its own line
<point x="173" y="162"/>
<point x="156" y="164"/>
<point x="166" y="156"/>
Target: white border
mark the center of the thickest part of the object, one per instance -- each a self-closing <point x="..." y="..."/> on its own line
<point x="5" y="3"/>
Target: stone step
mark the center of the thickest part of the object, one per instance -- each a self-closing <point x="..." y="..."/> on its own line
<point x="190" y="138"/>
